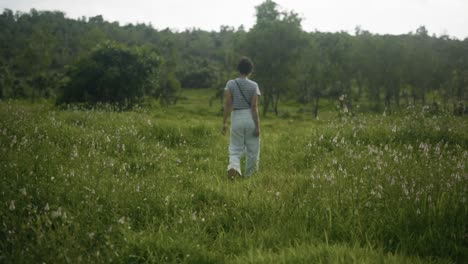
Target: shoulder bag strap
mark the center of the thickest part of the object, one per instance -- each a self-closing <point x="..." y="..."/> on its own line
<point x="238" y="86"/>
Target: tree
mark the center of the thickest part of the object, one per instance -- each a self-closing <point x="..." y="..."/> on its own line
<point x="312" y="69"/>
<point x="274" y="44"/>
<point x="113" y="73"/>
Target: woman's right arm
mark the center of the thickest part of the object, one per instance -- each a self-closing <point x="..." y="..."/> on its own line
<point x="227" y="109"/>
<point x="254" y="109"/>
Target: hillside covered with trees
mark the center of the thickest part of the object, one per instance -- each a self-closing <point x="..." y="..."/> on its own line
<point x="41" y="51"/>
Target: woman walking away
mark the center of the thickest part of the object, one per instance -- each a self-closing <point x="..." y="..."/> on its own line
<point x="242" y="103"/>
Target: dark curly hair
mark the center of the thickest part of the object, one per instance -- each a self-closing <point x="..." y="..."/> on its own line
<point x="245" y="66"/>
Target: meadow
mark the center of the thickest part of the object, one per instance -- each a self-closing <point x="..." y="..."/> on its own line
<point x="149" y="186"/>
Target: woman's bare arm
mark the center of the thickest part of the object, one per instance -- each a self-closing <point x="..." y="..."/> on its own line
<point x="227" y="109"/>
<point x="254" y="109"/>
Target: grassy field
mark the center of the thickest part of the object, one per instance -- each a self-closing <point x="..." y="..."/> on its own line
<point x="92" y="186"/>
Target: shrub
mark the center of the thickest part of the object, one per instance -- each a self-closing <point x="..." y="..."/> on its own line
<point x="113" y="73"/>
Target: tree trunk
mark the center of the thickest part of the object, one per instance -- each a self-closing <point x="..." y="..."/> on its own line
<point x="275" y="104"/>
<point x="307" y="92"/>
<point x="359" y="84"/>
<point x="387" y="103"/>
<point x="266" y="104"/>
<point x="316" y="106"/>
<point x="396" y="94"/>
<point x="423" y="98"/>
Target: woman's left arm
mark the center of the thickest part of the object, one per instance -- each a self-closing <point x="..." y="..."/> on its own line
<point x="254" y="109"/>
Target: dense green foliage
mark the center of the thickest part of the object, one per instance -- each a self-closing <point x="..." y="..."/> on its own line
<point x="149" y="185"/>
<point x="384" y="71"/>
<point x="113" y="74"/>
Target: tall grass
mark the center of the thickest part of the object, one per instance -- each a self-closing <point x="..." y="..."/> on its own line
<point x="149" y="185"/>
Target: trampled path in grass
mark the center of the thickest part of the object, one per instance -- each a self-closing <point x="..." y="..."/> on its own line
<point x="149" y="185"/>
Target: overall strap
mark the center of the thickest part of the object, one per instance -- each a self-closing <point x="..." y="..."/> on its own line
<point x="247" y="101"/>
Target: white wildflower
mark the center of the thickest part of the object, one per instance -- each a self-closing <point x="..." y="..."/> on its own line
<point x="74" y="152"/>
<point x="58" y="213"/>
<point x="12" y="206"/>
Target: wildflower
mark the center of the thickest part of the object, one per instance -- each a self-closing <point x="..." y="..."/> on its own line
<point x="23" y="191"/>
<point x="46" y="208"/>
<point x="13" y="142"/>
<point x="58" y="213"/>
<point x="121" y="220"/>
<point x="12" y="206"/>
<point x="74" y="152"/>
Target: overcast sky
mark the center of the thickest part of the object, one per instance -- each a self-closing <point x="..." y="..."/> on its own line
<point x="378" y="16"/>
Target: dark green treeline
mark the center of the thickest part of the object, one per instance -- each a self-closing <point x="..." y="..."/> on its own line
<point x="37" y="49"/>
